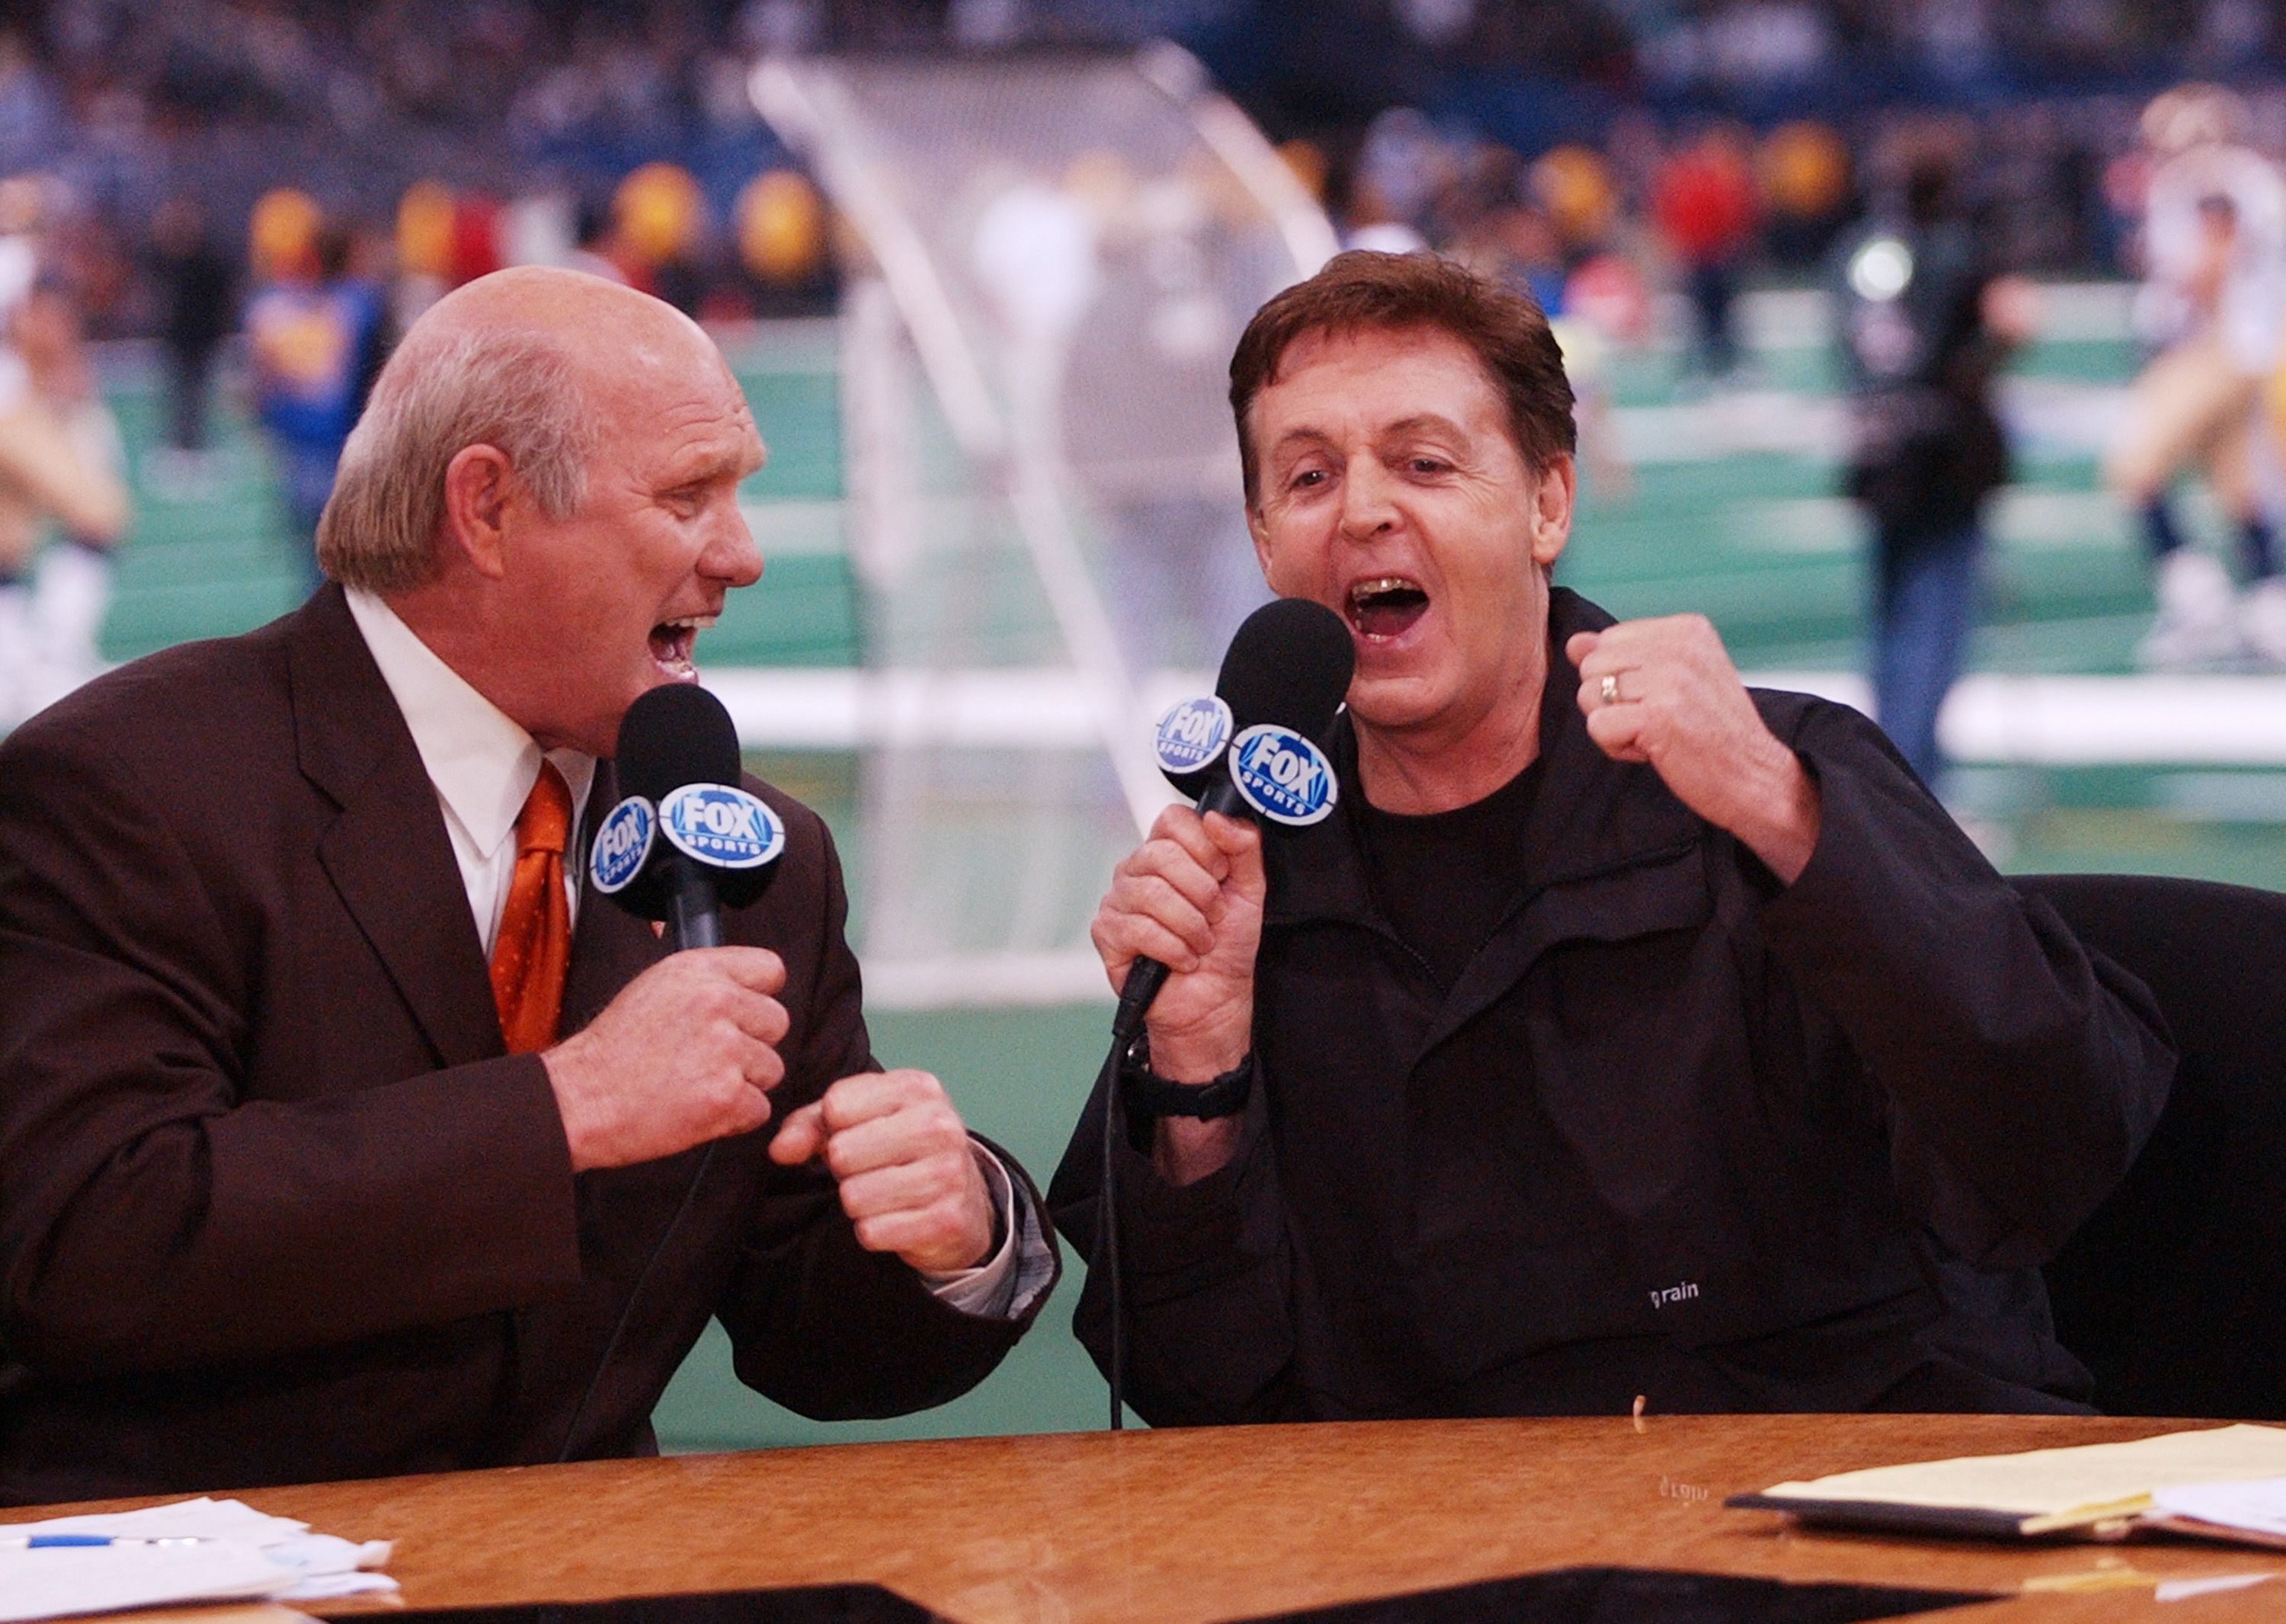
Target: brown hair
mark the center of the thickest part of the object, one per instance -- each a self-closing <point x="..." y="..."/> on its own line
<point x="1504" y="329"/>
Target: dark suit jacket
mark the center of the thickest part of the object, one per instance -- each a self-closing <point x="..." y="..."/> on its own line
<point x="275" y="1206"/>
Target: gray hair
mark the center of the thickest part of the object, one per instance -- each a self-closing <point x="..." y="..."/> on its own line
<point x="515" y="391"/>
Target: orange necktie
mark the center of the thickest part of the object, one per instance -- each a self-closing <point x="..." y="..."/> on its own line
<point x="534" y="943"/>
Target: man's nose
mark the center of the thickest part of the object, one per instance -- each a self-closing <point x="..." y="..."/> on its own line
<point x="731" y="555"/>
<point x="1368" y="505"/>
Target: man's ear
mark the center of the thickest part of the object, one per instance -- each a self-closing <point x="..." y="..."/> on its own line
<point x="1552" y="497"/>
<point x="479" y="487"/>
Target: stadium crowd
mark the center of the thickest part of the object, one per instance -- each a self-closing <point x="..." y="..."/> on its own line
<point x="283" y="167"/>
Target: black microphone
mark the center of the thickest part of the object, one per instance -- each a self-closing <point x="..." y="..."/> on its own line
<point x="685" y="840"/>
<point x="1282" y="678"/>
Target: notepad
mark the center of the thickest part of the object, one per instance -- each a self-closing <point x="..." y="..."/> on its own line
<point x="2090" y="1491"/>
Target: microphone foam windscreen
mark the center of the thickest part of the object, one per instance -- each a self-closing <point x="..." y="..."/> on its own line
<point x="1291" y="663"/>
<point x="676" y="733"/>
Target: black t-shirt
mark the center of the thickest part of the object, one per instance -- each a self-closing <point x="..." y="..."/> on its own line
<point x="1446" y="879"/>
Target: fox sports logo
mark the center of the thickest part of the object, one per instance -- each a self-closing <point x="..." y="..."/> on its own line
<point x="723" y="827"/>
<point x="622" y="845"/>
<point x="1192" y="734"/>
<point x="1282" y="775"/>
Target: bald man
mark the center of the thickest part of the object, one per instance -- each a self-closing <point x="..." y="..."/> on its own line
<point x="305" y="1171"/>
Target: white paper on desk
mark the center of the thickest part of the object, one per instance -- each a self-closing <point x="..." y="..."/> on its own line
<point x="315" y="1566"/>
<point x="2257" y="1505"/>
<point x="55" y="1583"/>
<point x="2055" y="1482"/>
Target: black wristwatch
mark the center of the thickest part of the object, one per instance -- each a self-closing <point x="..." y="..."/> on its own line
<point x="1146" y="1094"/>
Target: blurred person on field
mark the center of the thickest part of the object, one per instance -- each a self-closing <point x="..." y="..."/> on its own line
<point x="2212" y="306"/>
<point x="60" y="473"/>
<point x="1702" y="203"/>
<point x="316" y="337"/>
<point x="197" y="286"/>
<point x="1925" y="324"/>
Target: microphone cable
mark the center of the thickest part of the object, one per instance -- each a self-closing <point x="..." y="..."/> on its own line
<point x="1106" y="1224"/>
<point x="1288" y="667"/>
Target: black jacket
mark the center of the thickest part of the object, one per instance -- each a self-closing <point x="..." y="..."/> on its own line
<point x="1676" y="1131"/>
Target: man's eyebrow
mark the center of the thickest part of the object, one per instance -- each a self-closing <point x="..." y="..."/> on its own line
<point x="1434" y="422"/>
<point x="1300" y="437"/>
<point x="699" y="470"/>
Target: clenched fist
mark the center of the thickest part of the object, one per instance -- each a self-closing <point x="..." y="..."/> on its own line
<point x="686" y="1054"/>
<point x="1665" y="692"/>
<point x="905" y="1164"/>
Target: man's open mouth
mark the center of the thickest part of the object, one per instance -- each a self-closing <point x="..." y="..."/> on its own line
<point x="671" y="643"/>
<point x="1386" y="606"/>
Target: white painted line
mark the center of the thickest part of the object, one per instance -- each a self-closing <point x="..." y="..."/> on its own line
<point x="1802" y="318"/>
<point x="2218" y="721"/>
<point x="2151" y="721"/>
<point x="985" y="980"/>
<point x="998" y="708"/>
<point x="2047" y="417"/>
<point x="795" y="529"/>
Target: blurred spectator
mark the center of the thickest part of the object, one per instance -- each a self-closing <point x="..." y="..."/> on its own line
<point x="1803" y="169"/>
<point x="660" y="227"/>
<point x="317" y="335"/>
<point x="1575" y="185"/>
<point x="130" y="101"/>
<point x="784" y="267"/>
<point x="59" y="466"/>
<point x="1924" y="326"/>
<point x="2213" y="302"/>
<point x="425" y="218"/>
<point x="197" y="286"/>
<point x="1703" y="203"/>
<point x="596" y="242"/>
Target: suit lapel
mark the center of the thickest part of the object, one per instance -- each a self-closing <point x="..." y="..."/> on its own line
<point x="388" y="855"/>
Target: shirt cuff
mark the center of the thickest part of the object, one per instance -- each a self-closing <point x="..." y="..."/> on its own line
<point x="986" y="1287"/>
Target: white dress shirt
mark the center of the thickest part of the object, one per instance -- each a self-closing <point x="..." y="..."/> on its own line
<point x="482" y="767"/>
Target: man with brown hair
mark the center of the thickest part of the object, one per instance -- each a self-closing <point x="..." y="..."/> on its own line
<point x="1622" y="1032"/>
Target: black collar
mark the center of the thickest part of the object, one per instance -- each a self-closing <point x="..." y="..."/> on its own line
<point x="1592" y="817"/>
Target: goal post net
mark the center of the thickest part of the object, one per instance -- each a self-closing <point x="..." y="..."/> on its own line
<point x="1052" y="258"/>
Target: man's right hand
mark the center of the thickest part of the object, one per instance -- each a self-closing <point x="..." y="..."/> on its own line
<point x="686" y="1054"/>
<point x="1191" y="897"/>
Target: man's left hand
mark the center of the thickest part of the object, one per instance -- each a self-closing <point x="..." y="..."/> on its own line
<point x="909" y="1177"/>
<point x="1665" y="692"/>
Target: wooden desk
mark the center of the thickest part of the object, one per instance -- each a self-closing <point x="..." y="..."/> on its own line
<point x="1179" y="1527"/>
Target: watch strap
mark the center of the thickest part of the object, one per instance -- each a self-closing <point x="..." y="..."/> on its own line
<point x="1146" y="1094"/>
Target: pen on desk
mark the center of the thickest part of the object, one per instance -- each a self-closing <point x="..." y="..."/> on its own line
<point x="68" y="1542"/>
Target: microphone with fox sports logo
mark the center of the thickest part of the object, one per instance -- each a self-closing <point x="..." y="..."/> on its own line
<point x="685" y="840"/>
<point x="1254" y="749"/>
